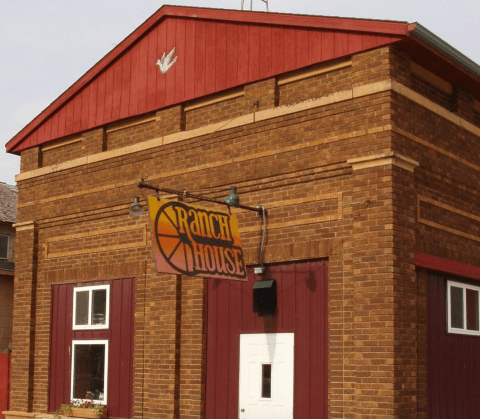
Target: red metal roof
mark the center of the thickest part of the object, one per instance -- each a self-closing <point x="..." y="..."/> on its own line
<point x="216" y="50"/>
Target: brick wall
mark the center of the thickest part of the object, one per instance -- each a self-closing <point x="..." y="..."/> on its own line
<point x="196" y="117"/>
<point x="31" y="159"/>
<point x="24" y="303"/>
<point x="445" y="202"/>
<point x="125" y="136"/>
<point x="62" y="152"/>
<point x="315" y="86"/>
<point x="332" y="156"/>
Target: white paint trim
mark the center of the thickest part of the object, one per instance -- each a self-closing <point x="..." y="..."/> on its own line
<point x="463" y="330"/>
<point x="105" y="374"/>
<point x="382" y="160"/>
<point x="90" y="290"/>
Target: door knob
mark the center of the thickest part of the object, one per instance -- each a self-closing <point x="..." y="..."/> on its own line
<point x="242" y="410"/>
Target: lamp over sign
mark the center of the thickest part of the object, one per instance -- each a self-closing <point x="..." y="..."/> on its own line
<point x="232" y="200"/>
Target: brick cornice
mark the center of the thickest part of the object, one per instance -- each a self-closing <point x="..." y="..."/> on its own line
<point x="383" y="159"/>
<point x="356" y="92"/>
<point x="26" y="225"/>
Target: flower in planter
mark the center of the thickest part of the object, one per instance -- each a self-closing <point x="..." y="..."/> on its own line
<point x="68" y="409"/>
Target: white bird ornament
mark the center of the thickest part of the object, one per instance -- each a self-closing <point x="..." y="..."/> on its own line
<point x="164" y="63"/>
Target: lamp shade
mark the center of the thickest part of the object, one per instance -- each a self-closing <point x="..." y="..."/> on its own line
<point x="136" y="209"/>
<point x="233" y="200"/>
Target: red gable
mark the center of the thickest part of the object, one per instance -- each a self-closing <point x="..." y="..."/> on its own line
<point x="215" y="50"/>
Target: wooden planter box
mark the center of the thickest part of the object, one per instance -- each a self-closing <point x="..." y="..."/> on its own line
<point x="18" y="415"/>
<point x="78" y="412"/>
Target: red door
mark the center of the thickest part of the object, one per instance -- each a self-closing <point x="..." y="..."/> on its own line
<point x="5" y="381"/>
<point x="301" y="310"/>
<point x="119" y="335"/>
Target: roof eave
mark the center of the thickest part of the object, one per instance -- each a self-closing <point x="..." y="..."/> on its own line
<point x="429" y="38"/>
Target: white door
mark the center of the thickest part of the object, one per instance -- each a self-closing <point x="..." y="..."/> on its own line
<point x="266" y="376"/>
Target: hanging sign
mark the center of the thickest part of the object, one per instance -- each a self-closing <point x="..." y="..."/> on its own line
<point x="197" y="241"/>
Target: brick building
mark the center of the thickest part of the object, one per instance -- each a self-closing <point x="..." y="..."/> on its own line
<point x="8" y="216"/>
<point x="359" y="137"/>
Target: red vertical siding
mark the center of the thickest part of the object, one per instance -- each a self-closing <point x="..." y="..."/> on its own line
<point x="126" y="78"/>
<point x="232" y="54"/>
<point x="85" y="103"/>
<point x="355" y="44"/>
<point x="107" y="112"/>
<point x="200" y="58"/>
<point x="265" y="41"/>
<point x="5" y="379"/>
<point x="210" y="35"/>
<point x="289" y="49"/>
<point x="243" y="54"/>
<point x="99" y="105"/>
<point x="302" y="48"/>
<point x="314" y="46"/>
<point x="133" y="94"/>
<point x="154" y="38"/>
<point x="235" y="301"/>
<point x="117" y="87"/>
<point x="180" y="49"/>
<point x="221" y="57"/>
<point x="254" y="52"/>
<point x="166" y="42"/>
<point x="328" y="45"/>
<point x="77" y="111"/>
<point x="277" y="48"/>
<point x="213" y="55"/>
<point x="61" y="337"/>
<point x="301" y="309"/>
<point x="453" y="362"/>
<point x="119" y="334"/>
<point x="190" y="30"/>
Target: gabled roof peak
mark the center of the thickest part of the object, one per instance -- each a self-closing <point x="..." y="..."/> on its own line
<point x="217" y="49"/>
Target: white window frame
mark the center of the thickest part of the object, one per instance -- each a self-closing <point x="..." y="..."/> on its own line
<point x="463" y="330"/>
<point x="8" y="247"/>
<point x="90" y="290"/>
<point x="105" y="374"/>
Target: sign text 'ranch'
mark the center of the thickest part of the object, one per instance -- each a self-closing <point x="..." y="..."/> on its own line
<point x="197" y="241"/>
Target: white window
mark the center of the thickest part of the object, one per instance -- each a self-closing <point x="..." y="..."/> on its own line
<point x="463" y="308"/>
<point x="91" y="307"/>
<point x="89" y="371"/>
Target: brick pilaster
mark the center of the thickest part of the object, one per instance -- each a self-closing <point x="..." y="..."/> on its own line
<point x="261" y="95"/>
<point x="161" y="333"/>
<point x="94" y="141"/>
<point x="370" y="66"/>
<point x="23" y="340"/>
<point x="31" y="159"/>
<point x="170" y="120"/>
<point x="400" y="66"/>
<point x="464" y="104"/>
<point x="192" y="332"/>
<point x="422" y="278"/>
<point x="385" y="297"/>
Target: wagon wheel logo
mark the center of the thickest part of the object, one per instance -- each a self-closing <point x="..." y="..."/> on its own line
<point x="174" y="245"/>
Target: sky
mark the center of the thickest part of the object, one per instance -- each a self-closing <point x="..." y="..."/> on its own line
<point x="46" y="46"/>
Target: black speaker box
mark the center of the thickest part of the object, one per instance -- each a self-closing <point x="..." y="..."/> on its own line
<point x="265" y="296"/>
